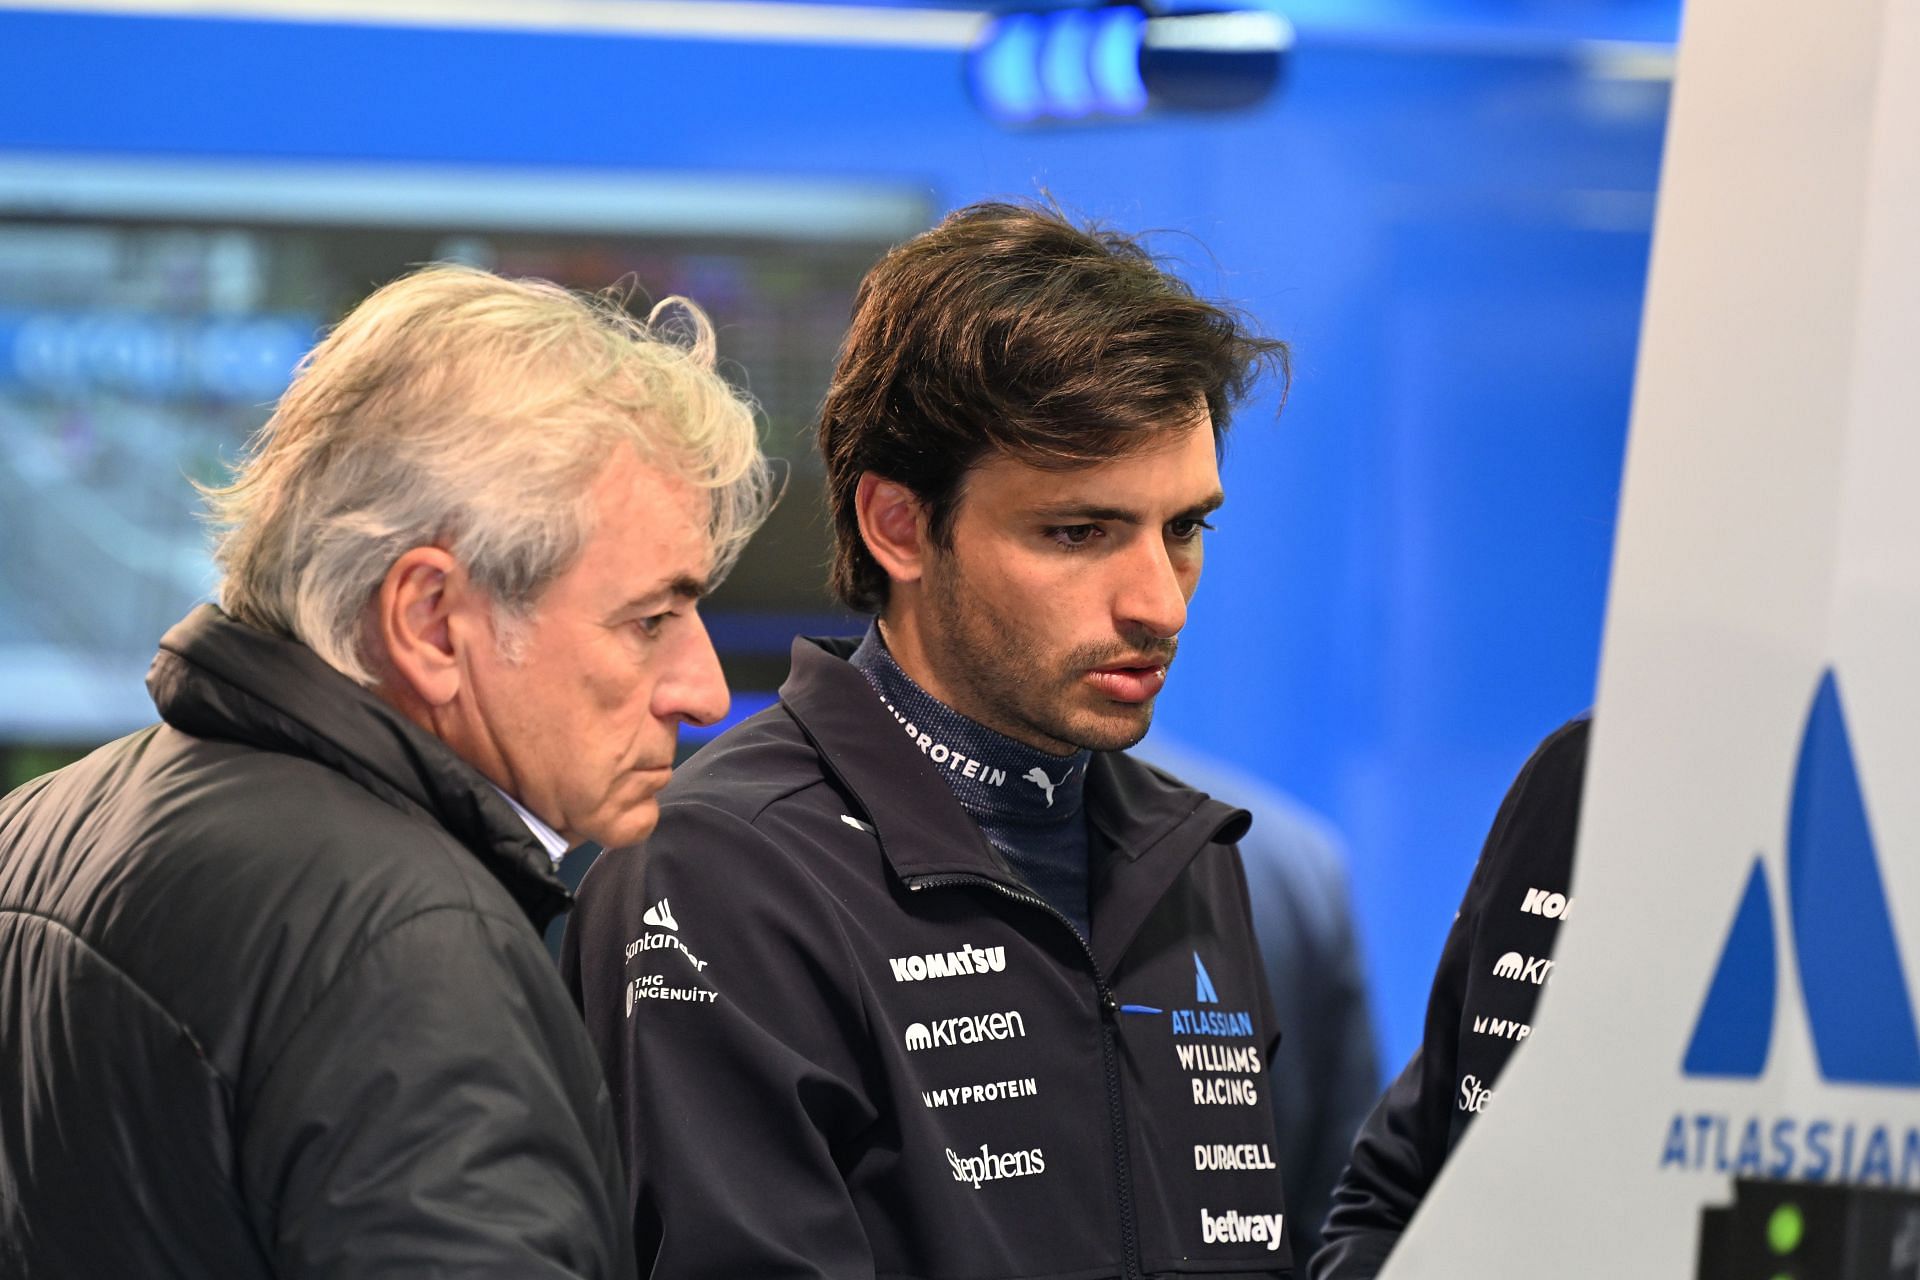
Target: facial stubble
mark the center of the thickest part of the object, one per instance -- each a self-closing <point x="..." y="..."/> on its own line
<point x="1002" y="678"/>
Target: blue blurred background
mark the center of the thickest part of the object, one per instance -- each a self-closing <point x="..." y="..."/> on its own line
<point x="1444" y="206"/>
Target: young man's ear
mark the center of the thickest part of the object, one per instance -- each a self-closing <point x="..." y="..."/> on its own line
<point x="414" y="619"/>
<point x="893" y="524"/>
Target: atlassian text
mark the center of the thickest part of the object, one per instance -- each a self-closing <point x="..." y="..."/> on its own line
<point x="992" y="1091"/>
<point x="989" y="1166"/>
<point x="1235" y="1227"/>
<point x="948" y="964"/>
<point x="1794" y="1148"/>
<point x="941" y="753"/>
<point x="652" y="986"/>
<point x="1220" y="1057"/>
<point x="1211" y="1022"/>
<point x="967" y="1030"/>
<point x="1225" y="1091"/>
<point x="1219" y="1156"/>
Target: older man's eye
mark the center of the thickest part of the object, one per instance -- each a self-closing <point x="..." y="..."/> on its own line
<point x="650" y="625"/>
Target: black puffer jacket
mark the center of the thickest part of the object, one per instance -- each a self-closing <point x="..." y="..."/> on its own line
<point x="271" y="1003"/>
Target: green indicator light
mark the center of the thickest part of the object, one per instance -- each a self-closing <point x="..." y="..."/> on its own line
<point x="1786" y="1228"/>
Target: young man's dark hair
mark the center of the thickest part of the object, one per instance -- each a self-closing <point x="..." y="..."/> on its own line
<point x="1007" y="329"/>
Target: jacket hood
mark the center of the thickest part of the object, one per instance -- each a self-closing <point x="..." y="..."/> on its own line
<point x="217" y="678"/>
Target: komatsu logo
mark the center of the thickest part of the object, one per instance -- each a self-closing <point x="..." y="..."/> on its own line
<point x="966" y="1030"/>
<point x="1235" y="1227"/>
<point x="948" y="964"/>
<point x="1521" y="968"/>
<point x="1539" y="902"/>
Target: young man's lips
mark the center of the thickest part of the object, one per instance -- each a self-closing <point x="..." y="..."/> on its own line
<point x="1128" y="684"/>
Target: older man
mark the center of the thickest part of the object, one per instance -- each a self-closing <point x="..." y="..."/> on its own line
<point x="269" y="970"/>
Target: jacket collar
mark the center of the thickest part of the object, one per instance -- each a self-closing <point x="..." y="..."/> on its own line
<point x="1155" y="825"/>
<point x="218" y="678"/>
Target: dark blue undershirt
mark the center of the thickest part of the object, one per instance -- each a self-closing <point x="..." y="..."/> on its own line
<point x="1027" y="803"/>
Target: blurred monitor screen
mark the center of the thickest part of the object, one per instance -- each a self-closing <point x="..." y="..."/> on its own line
<point x="143" y="340"/>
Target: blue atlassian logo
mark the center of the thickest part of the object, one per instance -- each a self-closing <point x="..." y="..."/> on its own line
<point x="1851" y="978"/>
<point x="1858" y="1006"/>
<point x="1203" y="992"/>
<point x="1209" y="1022"/>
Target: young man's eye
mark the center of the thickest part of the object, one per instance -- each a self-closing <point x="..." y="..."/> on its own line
<point x="1187" y="530"/>
<point x="1074" y="535"/>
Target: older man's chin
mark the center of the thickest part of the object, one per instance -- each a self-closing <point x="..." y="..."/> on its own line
<point x="634" y="820"/>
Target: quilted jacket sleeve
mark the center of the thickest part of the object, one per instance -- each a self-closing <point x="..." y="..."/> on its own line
<point x="437" y="1112"/>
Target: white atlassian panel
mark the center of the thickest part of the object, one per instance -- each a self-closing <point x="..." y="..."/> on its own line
<point x="1770" y="531"/>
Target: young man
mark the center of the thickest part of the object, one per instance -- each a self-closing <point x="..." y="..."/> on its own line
<point x="272" y="1002"/>
<point x="921" y="976"/>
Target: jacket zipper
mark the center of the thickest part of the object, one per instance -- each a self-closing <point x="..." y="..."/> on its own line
<point x="1109" y="1055"/>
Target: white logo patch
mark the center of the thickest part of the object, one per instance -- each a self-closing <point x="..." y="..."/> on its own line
<point x="1038" y="777"/>
<point x="967" y="1029"/>
<point x="652" y="986"/>
<point x="660" y="916"/>
<point x="989" y="1166"/>
<point x="1541" y="902"/>
<point x="1521" y="968"/>
<point x="948" y="964"/>
<point x="992" y="1091"/>
<point x="658" y="941"/>
<point x="1474" y="1096"/>
<point x="1235" y="1227"/>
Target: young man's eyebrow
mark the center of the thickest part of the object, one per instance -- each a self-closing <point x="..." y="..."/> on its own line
<point x="1205" y="507"/>
<point x="1087" y="512"/>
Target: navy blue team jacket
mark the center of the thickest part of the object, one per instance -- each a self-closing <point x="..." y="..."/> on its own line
<point x="844" y="1039"/>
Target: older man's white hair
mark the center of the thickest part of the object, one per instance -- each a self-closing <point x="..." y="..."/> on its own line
<point x="459" y="409"/>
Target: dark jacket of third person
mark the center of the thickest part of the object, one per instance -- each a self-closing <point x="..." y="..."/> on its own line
<point x="270" y="979"/>
<point x="1497" y="957"/>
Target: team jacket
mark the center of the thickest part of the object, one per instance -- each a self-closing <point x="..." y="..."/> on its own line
<point x="1497" y="957"/>
<point x="844" y="1040"/>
